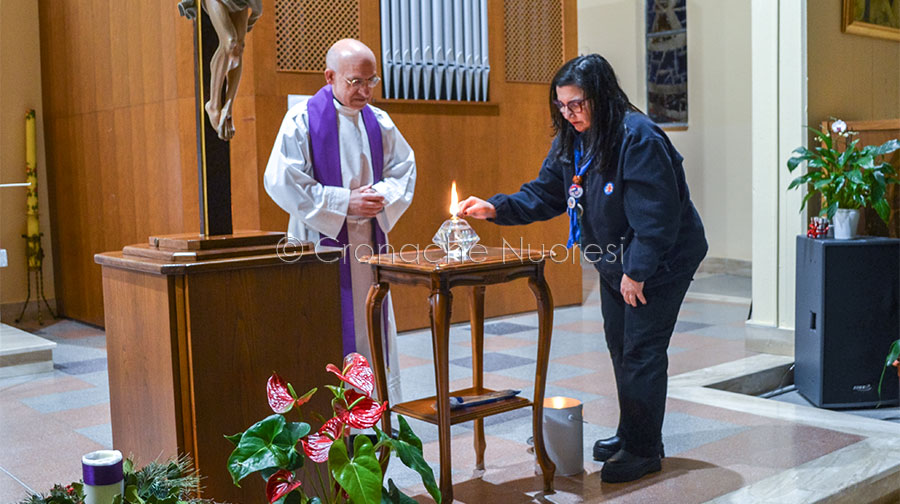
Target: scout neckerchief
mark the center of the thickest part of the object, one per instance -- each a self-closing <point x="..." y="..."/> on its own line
<point x="576" y="191"/>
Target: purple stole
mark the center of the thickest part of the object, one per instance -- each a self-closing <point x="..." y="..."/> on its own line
<point x="326" y="154"/>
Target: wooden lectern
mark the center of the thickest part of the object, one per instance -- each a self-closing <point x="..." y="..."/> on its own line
<point x="195" y="325"/>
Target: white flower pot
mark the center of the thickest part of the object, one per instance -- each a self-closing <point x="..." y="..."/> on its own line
<point x="845" y="223"/>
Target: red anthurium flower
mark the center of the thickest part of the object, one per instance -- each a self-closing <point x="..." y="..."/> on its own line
<point x="362" y="415"/>
<point x="280" y="398"/>
<point x="356" y="372"/>
<point x="280" y="484"/>
<point x="316" y="445"/>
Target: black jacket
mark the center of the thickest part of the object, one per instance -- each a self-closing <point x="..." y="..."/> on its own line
<point x="643" y="207"/>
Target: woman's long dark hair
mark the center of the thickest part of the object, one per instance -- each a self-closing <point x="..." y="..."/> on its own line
<point x="607" y="102"/>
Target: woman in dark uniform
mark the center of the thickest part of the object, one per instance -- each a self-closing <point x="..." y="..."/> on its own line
<point x="622" y="183"/>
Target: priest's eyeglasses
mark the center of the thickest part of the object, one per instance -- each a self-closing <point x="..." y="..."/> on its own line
<point x="358" y="83"/>
<point x="574" y="106"/>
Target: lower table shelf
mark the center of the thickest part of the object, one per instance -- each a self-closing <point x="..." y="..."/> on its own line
<point x="423" y="409"/>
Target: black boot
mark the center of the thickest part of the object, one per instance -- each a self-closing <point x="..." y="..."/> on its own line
<point x="606" y="448"/>
<point x="625" y="466"/>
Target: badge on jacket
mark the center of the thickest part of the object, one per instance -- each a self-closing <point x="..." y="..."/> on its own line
<point x="608" y="188"/>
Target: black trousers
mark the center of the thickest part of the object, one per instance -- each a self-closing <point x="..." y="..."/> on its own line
<point x="637" y="339"/>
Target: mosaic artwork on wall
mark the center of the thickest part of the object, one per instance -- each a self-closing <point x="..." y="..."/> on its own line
<point x="667" y="76"/>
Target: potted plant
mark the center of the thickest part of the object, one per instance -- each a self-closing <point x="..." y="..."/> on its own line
<point x="848" y="180"/>
<point x="277" y="449"/>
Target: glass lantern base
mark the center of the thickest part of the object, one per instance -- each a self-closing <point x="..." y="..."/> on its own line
<point x="456" y="238"/>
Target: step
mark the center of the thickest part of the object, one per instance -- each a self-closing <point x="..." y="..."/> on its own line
<point x="23" y="353"/>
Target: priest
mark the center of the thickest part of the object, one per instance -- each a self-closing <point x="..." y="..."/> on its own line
<point x="345" y="174"/>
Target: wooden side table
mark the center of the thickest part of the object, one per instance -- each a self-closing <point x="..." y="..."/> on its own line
<point x="432" y="269"/>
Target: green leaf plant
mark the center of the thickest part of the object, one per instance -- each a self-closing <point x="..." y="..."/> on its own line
<point x="853" y="178"/>
<point x="891" y="360"/>
<point x="277" y="449"/>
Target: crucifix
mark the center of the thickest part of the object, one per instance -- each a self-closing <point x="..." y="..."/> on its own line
<point x="220" y="28"/>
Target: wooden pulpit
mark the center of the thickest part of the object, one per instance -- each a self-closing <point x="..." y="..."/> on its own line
<point x="195" y="325"/>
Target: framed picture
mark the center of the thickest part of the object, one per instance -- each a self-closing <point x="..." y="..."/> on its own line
<point x="872" y="18"/>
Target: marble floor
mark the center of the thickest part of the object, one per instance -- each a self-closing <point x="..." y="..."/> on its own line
<point x="721" y="446"/>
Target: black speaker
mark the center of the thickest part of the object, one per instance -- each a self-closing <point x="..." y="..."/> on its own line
<point x="847" y="316"/>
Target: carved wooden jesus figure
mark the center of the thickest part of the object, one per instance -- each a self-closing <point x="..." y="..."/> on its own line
<point x="232" y="19"/>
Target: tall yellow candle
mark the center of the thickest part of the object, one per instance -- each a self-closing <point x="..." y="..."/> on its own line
<point x="31" y="202"/>
<point x="30" y="146"/>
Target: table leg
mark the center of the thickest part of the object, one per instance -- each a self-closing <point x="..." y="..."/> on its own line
<point x="374" y="302"/>
<point x="440" y="334"/>
<point x="544" y="299"/>
<point x="476" y="320"/>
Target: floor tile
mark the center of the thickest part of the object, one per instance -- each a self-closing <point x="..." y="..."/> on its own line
<point x="498" y="343"/>
<point x="408" y="361"/>
<point x="67" y="352"/>
<point x="775" y="446"/>
<point x="683" y="432"/>
<point x="100" y="434"/>
<point x="494" y="361"/>
<point x="84" y="417"/>
<point x="585" y="326"/>
<point x="68" y="400"/>
<point x="82" y="366"/>
<point x="11" y="489"/>
<point x="500" y="328"/>
<point x="687" y="326"/>
<point x="727" y="285"/>
<point x="555" y="371"/>
<point x="588" y="360"/>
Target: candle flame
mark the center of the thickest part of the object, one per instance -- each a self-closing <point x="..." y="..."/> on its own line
<point x="454" y="201"/>
<point x="560" y="402"/>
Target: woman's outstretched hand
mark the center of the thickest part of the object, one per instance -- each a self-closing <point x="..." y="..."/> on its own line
<point x="477" y="208"/>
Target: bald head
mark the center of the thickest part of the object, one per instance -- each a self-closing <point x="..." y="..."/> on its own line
<point x="350" y="61"/>
<point x="347" y="52"/>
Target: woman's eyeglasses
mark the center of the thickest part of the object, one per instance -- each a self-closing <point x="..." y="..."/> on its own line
<point x="358" y="83"/>
<point x="574" y="106"/>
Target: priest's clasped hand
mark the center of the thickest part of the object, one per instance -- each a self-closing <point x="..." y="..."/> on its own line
<point x="365" y="202"/>
<point x="477" y="208"/>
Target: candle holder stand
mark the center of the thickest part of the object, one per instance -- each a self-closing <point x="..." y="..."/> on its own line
<point x="34" y="257"/>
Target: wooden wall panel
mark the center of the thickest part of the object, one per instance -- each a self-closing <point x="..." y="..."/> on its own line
<point x="117" y="162"/>
<point x="118" y="98"/>
<point x="486" y="148"/>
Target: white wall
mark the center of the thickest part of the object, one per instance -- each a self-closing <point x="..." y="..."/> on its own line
<point x="716" y="145"/>
<point x="20" y="89"/>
